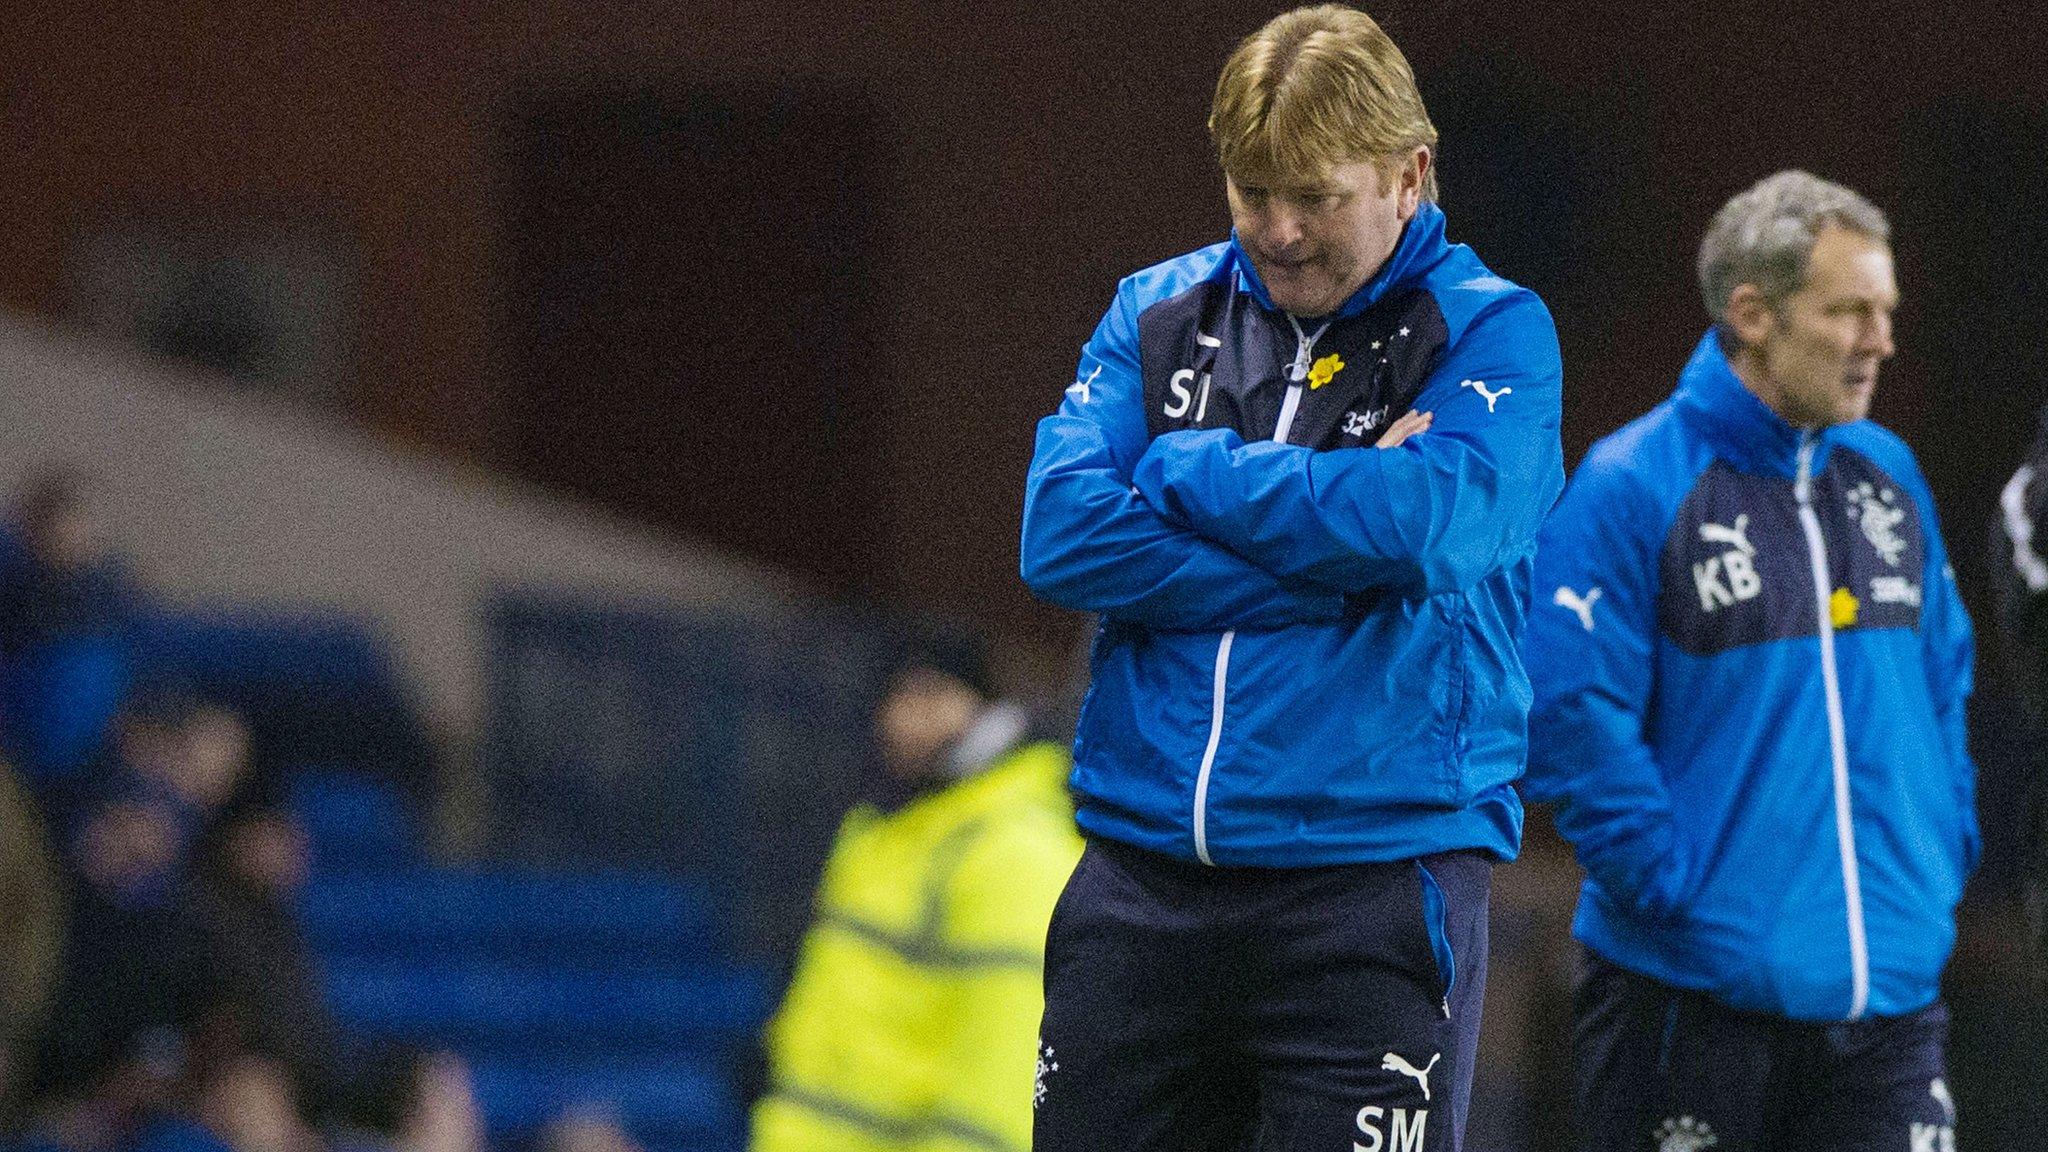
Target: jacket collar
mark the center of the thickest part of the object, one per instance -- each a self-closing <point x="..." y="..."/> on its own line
<point x="1001" y="727"/>
<point x="1744" y="430"/>
<point x="1421" y="248"/>
<point x="999" y="730"/>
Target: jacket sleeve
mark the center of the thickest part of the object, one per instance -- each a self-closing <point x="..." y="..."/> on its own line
<point x="1090" y="542"/>
<point x="1436" y="514"/>
<point x="1949" y="652"/>
<point x="1590" y="649"/>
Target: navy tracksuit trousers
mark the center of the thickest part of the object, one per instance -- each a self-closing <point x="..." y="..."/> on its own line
<point x="1661" y="1069"/>
<point x="1200" y="1009"/>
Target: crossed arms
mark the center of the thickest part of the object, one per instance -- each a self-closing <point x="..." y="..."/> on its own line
<point x="1200" y="531"/>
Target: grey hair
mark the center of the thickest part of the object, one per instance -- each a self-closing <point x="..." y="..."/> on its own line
<point x="1766" y="233"/>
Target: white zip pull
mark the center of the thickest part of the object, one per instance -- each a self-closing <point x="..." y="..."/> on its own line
<point x="1304" y="347"/>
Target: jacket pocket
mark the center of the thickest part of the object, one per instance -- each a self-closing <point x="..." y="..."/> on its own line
<point x="1436" y="926"/>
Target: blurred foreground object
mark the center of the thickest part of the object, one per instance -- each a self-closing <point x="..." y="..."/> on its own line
<point x="912" y="1017"/>
<point x="31" y="929"/>
<point x="2019" y="566"/>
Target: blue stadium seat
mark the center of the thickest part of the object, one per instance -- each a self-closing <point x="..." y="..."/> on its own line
<point x="512" y="913"/>
<point x="660" y="1142"/>
<point x="679" y="1099"/>
<point x="318" y="688"/>
<point x="353" y="821"/>
<point x="57" y="703"/>
<point x="230" y="651"/>
<point x="176" y="1134"/>
<point x="480" y="1005"/>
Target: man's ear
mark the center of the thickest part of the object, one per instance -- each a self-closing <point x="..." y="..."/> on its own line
<point x="1750" y="317"/>
<point x="1411" y="179"/>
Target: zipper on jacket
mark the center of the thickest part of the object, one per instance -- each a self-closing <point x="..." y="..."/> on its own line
<point x="1304" y="347"/>
<point x="1838" y="740"/>
<point x="1297" y="372"/>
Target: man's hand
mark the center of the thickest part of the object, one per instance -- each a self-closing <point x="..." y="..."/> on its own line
<point x="1410" y="424"/>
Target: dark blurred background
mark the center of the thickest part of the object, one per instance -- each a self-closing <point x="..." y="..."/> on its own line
<point x="676" y="257"/>
<point x="791" y="283"/>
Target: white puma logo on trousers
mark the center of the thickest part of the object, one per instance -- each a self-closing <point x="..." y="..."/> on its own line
<point x="1394" y="1063"/>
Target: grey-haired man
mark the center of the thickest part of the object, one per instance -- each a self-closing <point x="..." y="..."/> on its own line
<point x="1750" y="665"/>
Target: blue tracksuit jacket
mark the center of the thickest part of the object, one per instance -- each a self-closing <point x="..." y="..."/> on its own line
<point x="1310" y="647"/>
<point x="1751" y="665"/>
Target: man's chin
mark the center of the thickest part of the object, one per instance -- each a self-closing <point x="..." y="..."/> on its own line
<point x="1292" y="289"/>
<point x="1302" y="303"/>
<point x="1843" y="414"/>
<point x="1856" y="405"/>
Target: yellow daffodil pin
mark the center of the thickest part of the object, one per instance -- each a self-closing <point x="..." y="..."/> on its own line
<point x="1842" y="608"/>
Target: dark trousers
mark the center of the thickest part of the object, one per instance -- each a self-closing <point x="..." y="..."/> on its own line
<point x="1659" y="1068"/>
<point x="1199" y="1009"/>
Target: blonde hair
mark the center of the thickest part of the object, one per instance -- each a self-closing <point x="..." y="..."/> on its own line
<point x="1315" y="88"/>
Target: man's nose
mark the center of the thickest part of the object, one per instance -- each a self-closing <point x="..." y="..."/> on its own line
<point x="1877" y="337"/>
<point x="1281" y="229"/>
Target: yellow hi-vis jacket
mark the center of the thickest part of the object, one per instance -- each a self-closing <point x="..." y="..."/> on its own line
<point x="912" y="1020"/>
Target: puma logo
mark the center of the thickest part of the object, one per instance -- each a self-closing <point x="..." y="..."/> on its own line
<point x="1479" y="386"/>
<point x="1736" y="537"/>
<point x="1583" y="605"/>
<point x="1392" y="1062"/>
<point x="1081" y="387"/>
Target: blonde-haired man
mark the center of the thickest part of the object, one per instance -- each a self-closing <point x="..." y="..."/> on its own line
<point x="1299" y="476"/>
